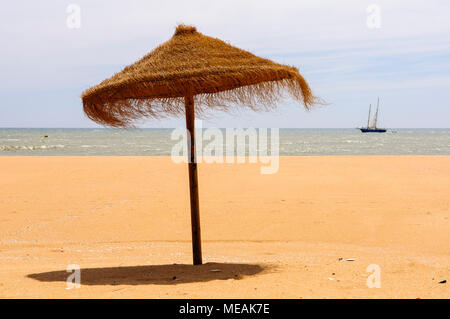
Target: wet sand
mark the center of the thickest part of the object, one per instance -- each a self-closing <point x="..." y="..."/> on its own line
<point x="125" y="221"/>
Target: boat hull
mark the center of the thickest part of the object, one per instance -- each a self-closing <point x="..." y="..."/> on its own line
<point x="373" y="130"/>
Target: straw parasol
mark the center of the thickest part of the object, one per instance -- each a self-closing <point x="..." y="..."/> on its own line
<point x="187" y="76"/>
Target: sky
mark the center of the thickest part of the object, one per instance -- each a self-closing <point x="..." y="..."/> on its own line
<point x="349" y="51"/>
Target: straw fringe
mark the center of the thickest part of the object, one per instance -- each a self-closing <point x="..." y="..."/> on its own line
<point x="220" y="77"/>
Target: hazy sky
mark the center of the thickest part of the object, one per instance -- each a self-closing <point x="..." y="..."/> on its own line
<point x="45" y="65"/>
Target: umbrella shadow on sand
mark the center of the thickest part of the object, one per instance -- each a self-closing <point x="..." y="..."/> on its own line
<point x="155" y="274"/>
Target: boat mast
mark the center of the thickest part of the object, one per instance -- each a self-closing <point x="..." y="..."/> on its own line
<point x="368" y="119"/>
<point x="376" y="114"/>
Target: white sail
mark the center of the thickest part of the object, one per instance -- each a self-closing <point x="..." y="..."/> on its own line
<point x="374" y="121"/>
<point x="375" y="118"/>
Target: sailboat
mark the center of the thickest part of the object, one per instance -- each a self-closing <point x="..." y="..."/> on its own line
<point x="372" y="128"/>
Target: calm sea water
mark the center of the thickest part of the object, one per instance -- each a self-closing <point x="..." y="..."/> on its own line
<point x="158" y="142"/>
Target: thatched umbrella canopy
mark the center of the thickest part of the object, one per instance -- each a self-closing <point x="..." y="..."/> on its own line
<point x="192" y="69"/>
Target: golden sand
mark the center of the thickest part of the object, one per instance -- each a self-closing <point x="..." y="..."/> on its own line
<point x="125" y="221"/>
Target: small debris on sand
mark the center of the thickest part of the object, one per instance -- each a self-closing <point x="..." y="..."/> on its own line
<point x="348" y="259"/>
<point x="443" y="281"/>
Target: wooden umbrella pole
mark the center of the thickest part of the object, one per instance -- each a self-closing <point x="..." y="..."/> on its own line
<point x="193" y="181"/>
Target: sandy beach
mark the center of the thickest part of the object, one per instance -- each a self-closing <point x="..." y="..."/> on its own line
<point x="308" y="231"/>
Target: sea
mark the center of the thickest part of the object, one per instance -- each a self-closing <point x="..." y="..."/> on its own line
<point x="158" y="142"/>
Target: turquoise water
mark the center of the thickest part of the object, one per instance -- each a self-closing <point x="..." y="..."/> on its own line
<point x="158" y="142"/>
